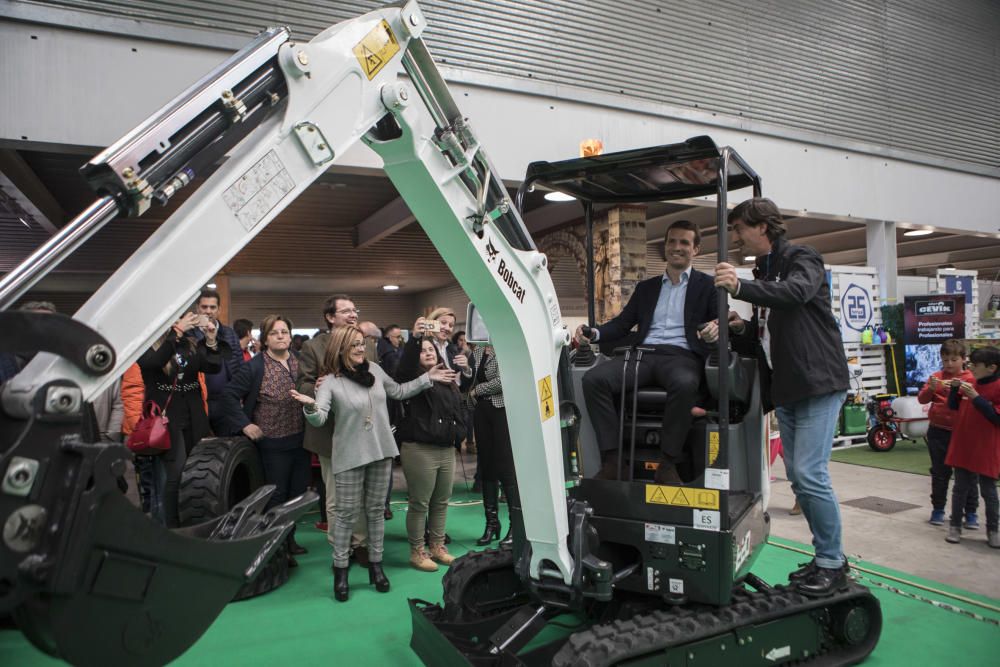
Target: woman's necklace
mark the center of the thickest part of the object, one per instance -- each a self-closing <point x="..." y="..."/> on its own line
<point x="369" y="421"/>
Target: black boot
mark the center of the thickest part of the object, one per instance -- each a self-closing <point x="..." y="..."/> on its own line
<point x="491" y="488"/>
<point x="340" y="587"/>
<point x="823" y="581"/>
<point x="514" y="513"/>
<point x="377" y="577"/>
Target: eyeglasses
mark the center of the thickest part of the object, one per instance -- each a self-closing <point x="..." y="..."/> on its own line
<point x="358" y="346"/>
<point x="345" y="311"/>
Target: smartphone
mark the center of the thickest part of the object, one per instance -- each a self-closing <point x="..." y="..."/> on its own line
<point x="432" y="325"/>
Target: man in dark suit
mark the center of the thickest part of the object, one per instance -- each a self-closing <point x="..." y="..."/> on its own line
<point x="667" y="311"/>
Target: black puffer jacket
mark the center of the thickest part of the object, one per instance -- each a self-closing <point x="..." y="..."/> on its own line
<point x="432" y="417"/>
<point x="807" y="353"/>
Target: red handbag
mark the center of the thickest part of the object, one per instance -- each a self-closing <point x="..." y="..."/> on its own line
<point x="151" y="435"/>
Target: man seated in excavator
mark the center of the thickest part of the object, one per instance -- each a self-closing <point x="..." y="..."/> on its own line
<point x="669" y="312"/>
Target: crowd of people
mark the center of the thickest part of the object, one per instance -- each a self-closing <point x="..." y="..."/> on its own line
<point x="349" y="401"/>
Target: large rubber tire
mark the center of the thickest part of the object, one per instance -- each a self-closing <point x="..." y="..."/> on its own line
<point x="882" y="438"/>
<point x="274" y="574"/>
<point x="218" y="473"/>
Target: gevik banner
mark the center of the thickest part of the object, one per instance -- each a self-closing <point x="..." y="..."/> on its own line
<point x="929" y="321"/>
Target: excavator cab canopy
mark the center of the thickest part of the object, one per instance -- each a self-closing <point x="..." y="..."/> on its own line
<point x="661" y="173"/>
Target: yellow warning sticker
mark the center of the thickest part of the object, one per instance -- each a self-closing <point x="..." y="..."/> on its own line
<point x="546" y="403"/>
<point x="376" y="49"/>
<point x="682" y="496"/>
<point x="713" y="447"/>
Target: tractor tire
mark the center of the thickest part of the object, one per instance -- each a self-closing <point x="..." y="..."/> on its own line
<point x="881" y="438"/>
<point x="274" y="574"/>
<point x="219" y="473"/>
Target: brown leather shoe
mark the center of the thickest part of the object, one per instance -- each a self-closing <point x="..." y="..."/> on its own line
<point x="666" y="473"/>
<point x="610" y="468"/>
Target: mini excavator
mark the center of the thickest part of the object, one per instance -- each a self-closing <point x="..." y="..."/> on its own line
<point x="657" y="574"/>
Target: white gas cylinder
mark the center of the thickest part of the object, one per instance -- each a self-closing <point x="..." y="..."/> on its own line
<point x="908" y="407"/>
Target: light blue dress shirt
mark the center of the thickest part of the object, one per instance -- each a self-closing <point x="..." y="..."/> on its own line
<point x="668" y="317"/>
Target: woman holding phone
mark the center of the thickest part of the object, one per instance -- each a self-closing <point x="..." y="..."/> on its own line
<point x="170" y="375"/>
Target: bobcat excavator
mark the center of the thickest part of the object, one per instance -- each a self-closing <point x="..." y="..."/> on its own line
<point x="658" y="575"/>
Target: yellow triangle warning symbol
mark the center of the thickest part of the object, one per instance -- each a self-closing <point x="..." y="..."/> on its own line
<point x="372" y="61"/>
<point x="657" y="496"/>
<point x="680" y="499"/>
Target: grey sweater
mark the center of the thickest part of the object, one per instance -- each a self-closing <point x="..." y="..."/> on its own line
<point x="351" y="403"/>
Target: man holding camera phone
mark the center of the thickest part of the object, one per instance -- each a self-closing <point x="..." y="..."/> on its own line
<point x="208" y="325"/>
<point x="438" y="325"/>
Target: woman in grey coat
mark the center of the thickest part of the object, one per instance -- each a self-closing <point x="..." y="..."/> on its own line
<point x="354" y="392"/>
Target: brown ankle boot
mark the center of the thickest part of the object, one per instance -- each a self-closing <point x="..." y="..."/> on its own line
<point x="421" y="560"/>
<point x="440" y="554"/>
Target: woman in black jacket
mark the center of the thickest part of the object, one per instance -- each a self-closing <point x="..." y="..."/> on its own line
<point x="170" y="376"/>
<point x="427" y="432"/>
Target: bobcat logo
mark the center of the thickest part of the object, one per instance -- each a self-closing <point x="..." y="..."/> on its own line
<point x="491" y="251"/>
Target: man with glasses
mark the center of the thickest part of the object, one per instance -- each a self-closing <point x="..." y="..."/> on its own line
<point x="338" y="311"/>
<point x="803" y="371"/>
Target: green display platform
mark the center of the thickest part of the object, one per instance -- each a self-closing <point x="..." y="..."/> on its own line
<point x="302" y="624"/>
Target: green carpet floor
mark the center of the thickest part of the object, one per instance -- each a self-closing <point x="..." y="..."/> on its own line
<point x="301" y="624"/>
<point x="907" y="456"/>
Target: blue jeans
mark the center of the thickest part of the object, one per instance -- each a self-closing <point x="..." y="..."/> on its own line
<point x="807" y="429"/>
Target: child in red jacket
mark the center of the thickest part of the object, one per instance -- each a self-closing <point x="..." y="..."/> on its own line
<point x="935" y="392"/>
<point x="975" y="445"/>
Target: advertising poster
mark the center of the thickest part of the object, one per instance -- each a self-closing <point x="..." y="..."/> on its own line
<point x="857" y="305"/>
<point x="929" y="321"/>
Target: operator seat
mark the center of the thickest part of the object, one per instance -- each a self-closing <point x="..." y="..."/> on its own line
<point x="649" y="418"/>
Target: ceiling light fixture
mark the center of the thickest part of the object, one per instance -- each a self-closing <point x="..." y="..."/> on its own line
<point x="210" y="285"/>
<point x="390" y="288"/>
<point x="947" y="267"/>
<point x="918" y="232"/>
<point x="559" y="196"/>
<point x="749" y="258"/>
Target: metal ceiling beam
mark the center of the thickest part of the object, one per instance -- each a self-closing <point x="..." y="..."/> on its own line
<point x="975" y="255"/>
<point x="384" y="222"/>
<point x="21" y="183"/>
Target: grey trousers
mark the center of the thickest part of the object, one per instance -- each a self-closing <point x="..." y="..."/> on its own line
<point x="360" y="535"/>
<point x="360" y="491"/>
<point x="430" y="472"/>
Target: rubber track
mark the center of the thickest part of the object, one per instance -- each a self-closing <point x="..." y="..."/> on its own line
<point x="198" y="499"/>
<point x="605" y="645"/>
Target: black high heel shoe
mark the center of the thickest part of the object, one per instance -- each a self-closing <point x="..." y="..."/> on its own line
<point x="377" y="577"/>
<point x="491" y="532"/>
<point x="340" y="587"/>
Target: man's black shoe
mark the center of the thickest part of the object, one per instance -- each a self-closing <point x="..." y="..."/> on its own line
<point x="823" y="581"/>
<point x="805" y="569"/>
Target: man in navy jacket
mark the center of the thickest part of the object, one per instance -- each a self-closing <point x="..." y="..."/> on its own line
<point x="667" y="311"/>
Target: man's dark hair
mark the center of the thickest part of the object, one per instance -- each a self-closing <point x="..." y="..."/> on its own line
<point x="684" y="224"/>
<point x="210" y="294"/>
<point x="242" y="327"/>
<point x="759" y="211"/>
<point x="987" y="356"/>
<point x="386" y="330"/>
<point x="330" y="306"/>
<point x="454" y="336"/>
<point x="953" y="348"/>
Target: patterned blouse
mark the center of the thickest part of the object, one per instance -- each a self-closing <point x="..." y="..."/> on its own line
<point x="278" y="414"/>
